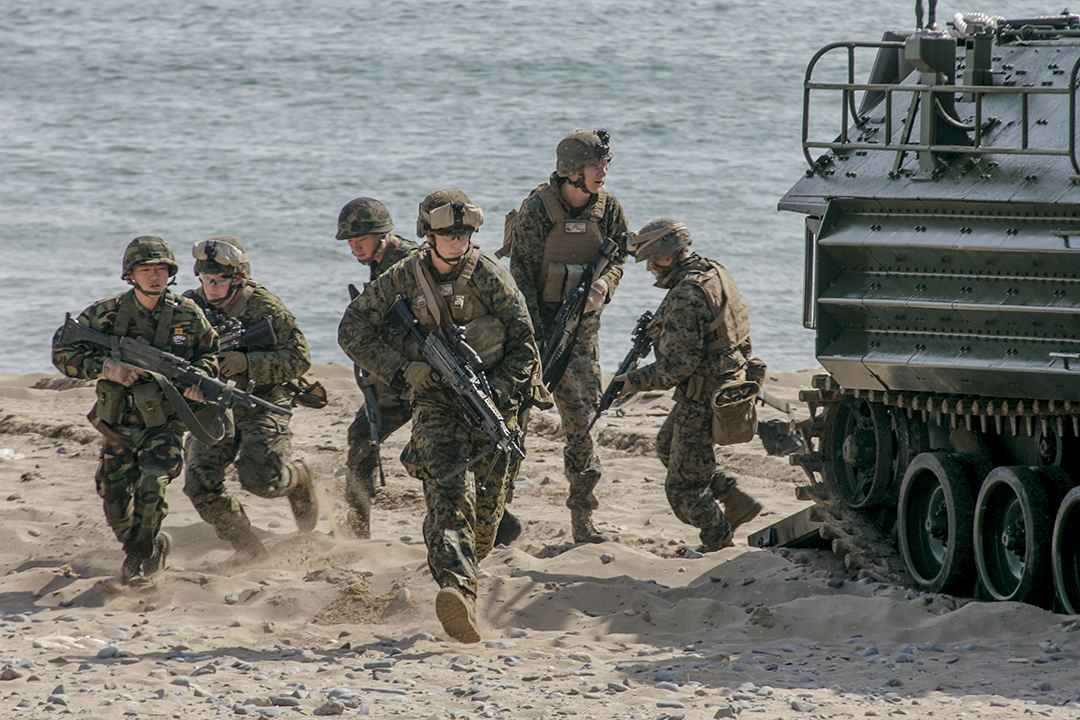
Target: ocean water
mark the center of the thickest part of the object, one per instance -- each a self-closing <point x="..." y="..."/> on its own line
<point x="261" y="119"/>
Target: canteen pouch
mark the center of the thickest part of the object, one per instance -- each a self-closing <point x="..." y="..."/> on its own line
<point x="110" y="402"/>
<point x="735" y="412"/>
<point x="149" y="403"/>
<point x="560" y="280"/>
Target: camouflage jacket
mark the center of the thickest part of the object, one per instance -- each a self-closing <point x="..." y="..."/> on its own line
<point x="365" y="324"/>
<point x="679" y="331"/>
<point x="192" y="338"/>
<point x="397" y="249"/>
<point x="271" y="366"/>
<point x="531" y="229"/>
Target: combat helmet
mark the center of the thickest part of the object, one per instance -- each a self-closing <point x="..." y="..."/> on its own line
<point x="363" y="216"/>
<point x="580" y="148"/>
<point x="148" y="250"/>
<point x="447" y="212"/>
<point x="221" y="256"/>
<point x="659" y="240"/>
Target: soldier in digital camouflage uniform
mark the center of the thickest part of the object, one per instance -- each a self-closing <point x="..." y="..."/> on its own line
<point x="261" y="444"/>
<point x="141" y="449"/>
<point x="365" y="223"/>
<point x="701" y="339"/>
<point x="450" y="282"/>
<point x="557" y="231"/>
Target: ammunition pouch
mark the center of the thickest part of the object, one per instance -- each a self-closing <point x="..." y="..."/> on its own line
<point x="486" y="335"/>
<point x="560" y="279"/>
<point x="150" y="404"/>
<point x="734" y="412"/>
<point x="111" y="402"/>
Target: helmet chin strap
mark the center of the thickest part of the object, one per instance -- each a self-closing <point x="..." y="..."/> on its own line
<point x="580" y="182"/>
<point x="223" y="301"/>
<point x="161" y="293"/>
<point x="449" y="261"/>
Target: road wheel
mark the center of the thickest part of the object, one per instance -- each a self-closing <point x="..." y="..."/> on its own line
<point x="858" y="449"/>
<point x="1065" y="550"/>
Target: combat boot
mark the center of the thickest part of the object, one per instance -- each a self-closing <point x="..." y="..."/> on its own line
<point x="509" y="529"/>
<point x="717" y="538"/>
<point x="305" y="507"/>
<point x="740" y="508"/>
<point x="585" y="531"/>
<point x="456" y="611"/>
<point x="248" y="547"/>
<point x="131" y="572"/>
<point x="156" y="562"/>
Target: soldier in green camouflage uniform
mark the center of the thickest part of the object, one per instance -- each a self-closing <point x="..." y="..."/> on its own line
<point x="365" y="223"/>
<point x="701" y="338"/>
<point x="261" y="444"/>
<point x="560" y="228"/>
<point x="450" y="282"/>
<point x="141" y="450"/>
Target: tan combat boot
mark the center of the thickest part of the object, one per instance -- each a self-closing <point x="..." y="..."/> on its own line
<point x="248" y="547"/>
<point x="585" y="531"/>
<point x="456" y="611"/>
<point x="739" y="508"/>
<point x="305" y="507"/>
<point x="156" y="562"/>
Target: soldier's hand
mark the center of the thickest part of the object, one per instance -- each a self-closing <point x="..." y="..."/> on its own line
<point x="114" y="370"/>
<point x="194" y="392"/>
<point x="627" y="386"/>
<point x="420" y="376"/>
<point x="597" y="295"/>
<point x="232" y="363"/>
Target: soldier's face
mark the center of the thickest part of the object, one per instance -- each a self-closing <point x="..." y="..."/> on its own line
<point x="364" y="247"/>
<point x="151" y="279"/>
<point x="216" y="287"/>
<point x="657" y="267"/>
<point x="595" y="175"/>
<point x="451" y="247"/>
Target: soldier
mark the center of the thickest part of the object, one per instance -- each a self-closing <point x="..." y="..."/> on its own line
<point x="701" y="339"/>
<point x="560" y="228"/>
<point x="450" y="282"/>
<point x="141" y="449"/>
<point x="261" y="444"/>
<point x="365" y="223"/>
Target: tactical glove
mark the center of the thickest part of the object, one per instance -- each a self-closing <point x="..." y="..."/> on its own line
<point x="597" y="295"/>
<point x="420" y="376"/>
<point x="113" y="370"/>
<point x="627" y="386"/>
<point x="232" y="363"/>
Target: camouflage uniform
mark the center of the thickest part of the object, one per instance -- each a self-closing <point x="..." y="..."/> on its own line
<point x="394" y="411"/>
<point x="137" y="461"/>
<point x="578" y="393"/>
<point x="691" y="358"/>
<point x="463" y="508"/>
<point x="261" y="444"/>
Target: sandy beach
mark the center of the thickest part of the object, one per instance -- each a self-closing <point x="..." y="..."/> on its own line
<point x="330" y="625"/>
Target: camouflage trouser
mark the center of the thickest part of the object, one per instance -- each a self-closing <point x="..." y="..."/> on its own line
<point x="694" y="484"/>
<point x="135" y="469"/>
<point x="262" y="449"/>
<point x="360" y="475"/>
<point x="576" y="397"/>
<point x="464" y="508"/>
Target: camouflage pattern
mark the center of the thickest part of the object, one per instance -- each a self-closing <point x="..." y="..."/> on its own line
<point x="434" y="200"/>
<point x="148" y="250"/>
<point x="668" y="245"/>
<point x="261" y="445"/>
<point x="694" y="484"/>
<point x="363" y="216"/>
<point x="577" y="395"/>
<point x="394" y="411"/>
<point x="463" y="511"/>
<point x="580" y="148"/>
<point x="137" y="462"/>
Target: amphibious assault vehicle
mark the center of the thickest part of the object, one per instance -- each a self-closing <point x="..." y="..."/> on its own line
<point x="942" y="279"/>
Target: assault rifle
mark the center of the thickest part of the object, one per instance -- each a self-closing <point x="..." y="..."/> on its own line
<point x="141" y="355"/>
<point x="232" y="335"/>
<point x="458" y="366"/>
<point x="640" y="345"/>
<point x="371" y="403"/>
<point x="556" y="354"/>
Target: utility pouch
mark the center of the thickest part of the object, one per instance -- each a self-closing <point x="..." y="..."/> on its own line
<point x="208" y="414"/>
<point x="486" y="335"/>
<point x="560" y="279"/>
<point x="308" y="394"/>
<point x="735" y="412"/>
<point x="508" y="234"/>
<point x="110" y="401"/>
<point x="150" y="404"/>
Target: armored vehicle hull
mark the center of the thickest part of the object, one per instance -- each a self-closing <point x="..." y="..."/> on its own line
<point x="943" y="283"/>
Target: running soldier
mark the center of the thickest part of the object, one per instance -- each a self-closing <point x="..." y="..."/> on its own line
<point x="450" y="282"/>
<point x="558" y="230"/>
<point x="141" y="450"/>
<point x="261" y="444"/>
<point x="701" y="339"/>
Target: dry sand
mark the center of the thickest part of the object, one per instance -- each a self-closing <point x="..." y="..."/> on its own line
<point x="627" y="629"/>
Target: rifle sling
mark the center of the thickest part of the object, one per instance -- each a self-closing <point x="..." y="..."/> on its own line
<point x="190" y="421"/>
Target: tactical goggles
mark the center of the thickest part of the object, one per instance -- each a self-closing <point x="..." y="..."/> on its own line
<point x="637" y="243"/>
<point x="454" y="215"/>
<point x="219" y="253"/>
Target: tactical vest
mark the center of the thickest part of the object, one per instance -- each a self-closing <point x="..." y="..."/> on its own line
<point x="570" y="244"/>
<point x="439" y="305"/>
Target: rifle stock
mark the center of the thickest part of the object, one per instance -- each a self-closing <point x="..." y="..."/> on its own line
<point x="640" y="345"/>
<point x="142" y="355"/>
<point x="371" y="403"/>
<point x="555" y="356"/>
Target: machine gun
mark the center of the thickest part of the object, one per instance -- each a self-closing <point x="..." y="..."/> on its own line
<point x="143" y="356"/>
<point x="556" y="354"/>
<point x="232" y="335"/>
<point x="371" y="403"/>
<point x="640" y="345"/>
<point x="458" y="366"/>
